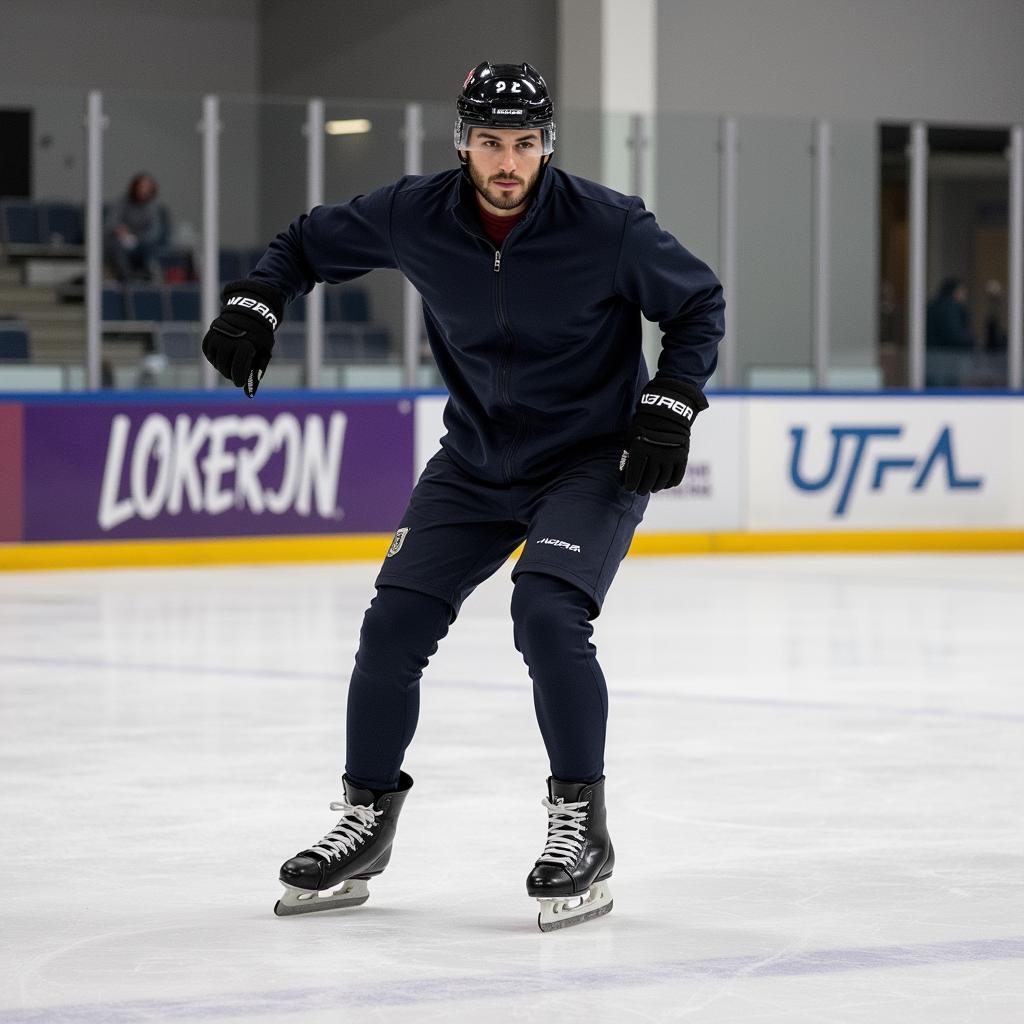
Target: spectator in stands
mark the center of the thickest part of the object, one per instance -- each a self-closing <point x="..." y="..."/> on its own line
<point x="995" y="333"/>
<point x="133" y="231"/>
<point x="948" y="334"/>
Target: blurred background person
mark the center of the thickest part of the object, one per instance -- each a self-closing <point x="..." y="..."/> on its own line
<point x="948" y="332"/>
<point x="134" y="230"/>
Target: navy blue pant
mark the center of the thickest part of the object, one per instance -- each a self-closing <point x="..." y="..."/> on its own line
<point x="577" y="526"/>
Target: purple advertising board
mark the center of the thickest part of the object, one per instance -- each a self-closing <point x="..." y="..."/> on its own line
<point x="200" y="468"/>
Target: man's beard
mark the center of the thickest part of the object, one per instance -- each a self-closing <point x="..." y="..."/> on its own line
<point x="498" y="199"/>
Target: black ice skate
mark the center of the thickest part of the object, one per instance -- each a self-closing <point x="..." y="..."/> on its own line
<point x="333" y="873"/>
<point x="570" y="876"/>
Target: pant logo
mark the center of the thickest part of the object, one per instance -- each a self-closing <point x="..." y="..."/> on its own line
<point x="396" y="544"/>
<point x="560" y="544"/>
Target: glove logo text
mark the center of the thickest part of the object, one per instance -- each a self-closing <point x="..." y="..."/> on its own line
<point x="679" y="408"/>
<point x="256" y="306"/>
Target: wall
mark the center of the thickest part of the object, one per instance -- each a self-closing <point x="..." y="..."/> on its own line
<point x="397" y="51"/>
<point x="52" y="53"/>
<point x="933" y="59"/>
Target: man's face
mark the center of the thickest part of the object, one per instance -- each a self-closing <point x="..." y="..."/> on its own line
<point x="504" y="164"/>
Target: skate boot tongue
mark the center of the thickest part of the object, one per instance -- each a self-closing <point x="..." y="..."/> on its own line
<point x="565" y="792"/>
<point x="355" y="795"/>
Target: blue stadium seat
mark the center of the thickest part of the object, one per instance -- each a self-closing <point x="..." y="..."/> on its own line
<point x="290" y="343"/>
<point x="62" y="224"/>
<point x="20" y="223"/>
<point x="348" y="305"/>
<point x="178" y="342"/>
<point x="113" y="307"/>
<point x="341" y="345"/>
<point x="146" y="302"/>
<point x="231" y="265"/>
<point x="184" y="302"/>
<point x="376" y="343"/>
<point x="176" y="261"/>
<point x="13" y="340"/>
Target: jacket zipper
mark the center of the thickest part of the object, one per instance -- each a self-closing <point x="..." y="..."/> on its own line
<point x="505" y="371"/>
<point x="505" y="378"/>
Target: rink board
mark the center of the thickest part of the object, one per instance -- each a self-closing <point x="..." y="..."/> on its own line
<point x="188" y="478"/>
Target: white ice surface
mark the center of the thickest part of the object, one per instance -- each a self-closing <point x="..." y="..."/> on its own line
<point x="815" y="788"/>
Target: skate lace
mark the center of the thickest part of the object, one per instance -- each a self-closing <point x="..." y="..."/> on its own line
<point x="565" y="832"/>
<point x="356" y="825"/>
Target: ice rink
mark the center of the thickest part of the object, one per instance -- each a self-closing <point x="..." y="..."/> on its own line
<point x="815" y="789"/>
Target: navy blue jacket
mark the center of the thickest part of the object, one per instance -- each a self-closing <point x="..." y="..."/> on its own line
<point x="538" y="343"/>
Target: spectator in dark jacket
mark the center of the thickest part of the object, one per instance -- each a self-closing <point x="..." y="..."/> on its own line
<point x="948" y="334"/>
<point x="133" y="231"/>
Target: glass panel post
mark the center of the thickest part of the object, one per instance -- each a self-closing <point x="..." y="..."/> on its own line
<point x="917" y="255"/>
<point x="822" y="249"/>
<point x="413" y="136"/>
<point x="1015" y="310"/>
<point x="728" y="143"/>
<point x="94" y="125"/>
<point x="314" y="197"/>
<point x="210" y="128"/>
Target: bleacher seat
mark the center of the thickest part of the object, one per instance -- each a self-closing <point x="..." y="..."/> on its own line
<point x="145" y="302"/>
<point x="348" y="305"/>
<point x="290" y="343"/>
<point x="230" y="264"/>
<point x="341" y="346"/>
<point x="113" y="306"/>
<point x="376" y="343"/>
<point x="184" y="303"/>
<point x="13" y="341"/>
<point x="62" y="224"/>
<point x="180" y="343"/>
<point x="175" y="265"/>
<point x="20" y="224"/>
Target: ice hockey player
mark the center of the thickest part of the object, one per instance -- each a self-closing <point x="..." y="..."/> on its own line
<point x="534" y="282"/>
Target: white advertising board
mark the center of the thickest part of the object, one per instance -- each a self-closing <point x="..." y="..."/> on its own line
<point x="711" y="494"/>
<point x="877" y="462"/>
<point x="429" y="424"/>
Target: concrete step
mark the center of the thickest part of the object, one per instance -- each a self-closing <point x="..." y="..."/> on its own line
<point x="58" y="334"/>
<point x="45" y="316"/>
<point x="49" y="353"/>
<point x="15" y="297"/>
<point x="10" y="275"/>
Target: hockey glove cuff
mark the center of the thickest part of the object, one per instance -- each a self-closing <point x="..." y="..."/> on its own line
<point x="658" y="440"/>
<point x="240" y="339"/>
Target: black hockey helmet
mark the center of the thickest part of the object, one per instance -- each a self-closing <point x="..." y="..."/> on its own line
<point x="505" y="96"/>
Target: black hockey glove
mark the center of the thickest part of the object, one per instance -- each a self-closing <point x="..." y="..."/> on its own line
<point x="240" y="340"/>
<point x="658" y="440"/>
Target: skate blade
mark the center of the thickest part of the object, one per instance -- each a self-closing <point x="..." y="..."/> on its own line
<point x="351" y="893"/>
<point x="573" y="910"/>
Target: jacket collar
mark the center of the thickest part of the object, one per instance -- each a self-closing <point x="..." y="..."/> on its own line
<point x="462" y="199"/>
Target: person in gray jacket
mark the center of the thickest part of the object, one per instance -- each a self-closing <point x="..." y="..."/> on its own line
<point x="134" y="231"/>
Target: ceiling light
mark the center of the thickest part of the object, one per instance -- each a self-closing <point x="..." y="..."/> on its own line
<point x="353" y="126"/>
